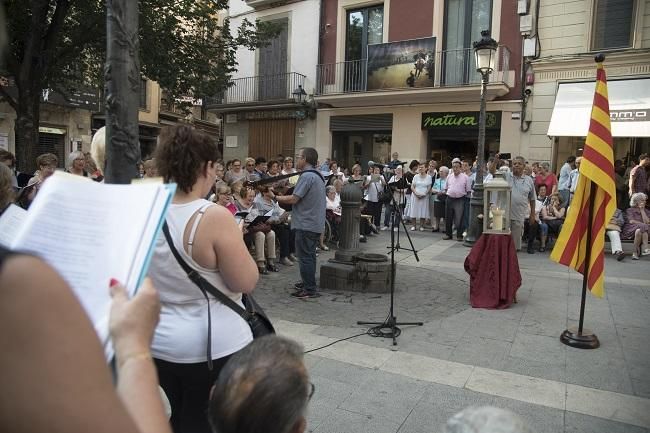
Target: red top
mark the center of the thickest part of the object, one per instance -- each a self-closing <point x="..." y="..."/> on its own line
<point x="550" y="180"/>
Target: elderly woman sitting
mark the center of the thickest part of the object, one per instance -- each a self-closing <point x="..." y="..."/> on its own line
<point x="333" y="210"/>
<point x="260" y="234"/>
<point x="265" y="203"/>
<point x="637" y="225"/>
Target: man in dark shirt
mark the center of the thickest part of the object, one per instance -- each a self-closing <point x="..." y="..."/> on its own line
<point x="307" y="219"/>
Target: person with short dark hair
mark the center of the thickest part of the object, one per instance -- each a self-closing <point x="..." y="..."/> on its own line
<point x="7" y="158"/>
<point x="261" y="167"/>
<point x="307" y="219"/>
<point x="197" y="333"/>
<point x="639" y="176"/>
<point x="264" y="388"/>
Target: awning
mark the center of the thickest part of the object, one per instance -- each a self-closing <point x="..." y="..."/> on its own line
<point x="629" y="107"/>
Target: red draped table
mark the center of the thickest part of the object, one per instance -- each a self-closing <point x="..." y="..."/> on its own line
<point x="494" y="272"/>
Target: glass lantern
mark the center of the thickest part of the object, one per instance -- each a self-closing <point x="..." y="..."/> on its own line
<point x="496" y="205"/>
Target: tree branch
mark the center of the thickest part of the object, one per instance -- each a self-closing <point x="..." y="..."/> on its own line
<point x="7" y="97"/>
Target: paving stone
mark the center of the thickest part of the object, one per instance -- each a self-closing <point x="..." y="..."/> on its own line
<point x="578" y="423"/>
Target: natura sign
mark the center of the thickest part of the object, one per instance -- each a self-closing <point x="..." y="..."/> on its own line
<point x="460" y="120"/>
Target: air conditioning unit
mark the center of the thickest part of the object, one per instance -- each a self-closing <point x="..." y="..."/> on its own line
<point x="522" y="7"/>
<point x="525" y="24"/>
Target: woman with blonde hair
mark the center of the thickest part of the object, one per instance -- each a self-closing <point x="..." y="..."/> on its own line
<point x="98" y="148"/>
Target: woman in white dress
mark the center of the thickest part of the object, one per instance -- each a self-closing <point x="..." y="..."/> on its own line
<point x="420" y="190"/>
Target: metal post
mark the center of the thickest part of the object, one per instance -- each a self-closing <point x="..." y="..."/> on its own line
<point x="475" y="228"/>
<point x="122" y="89"/>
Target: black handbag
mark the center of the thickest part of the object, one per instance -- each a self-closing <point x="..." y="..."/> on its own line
<point x="253" y="314"/>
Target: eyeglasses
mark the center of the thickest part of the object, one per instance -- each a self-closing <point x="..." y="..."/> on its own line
<point x="80" y="159"/>
<point x="250" y="165"/>
<point x="236" y="165"/>
<point x="312" y="389"/>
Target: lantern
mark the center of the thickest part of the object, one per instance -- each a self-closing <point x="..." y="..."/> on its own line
<point x="496" y="205"/>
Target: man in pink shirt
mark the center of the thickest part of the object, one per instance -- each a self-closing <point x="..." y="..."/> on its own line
<point x="457" y="187"/>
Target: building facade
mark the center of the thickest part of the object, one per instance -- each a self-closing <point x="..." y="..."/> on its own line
<point x="269" y="109"/>
<point x="561" y="77"/>
<point x="400" y="76"/>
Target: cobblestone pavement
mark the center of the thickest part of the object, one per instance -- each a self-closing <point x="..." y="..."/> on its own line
<point x="463" y="356"/>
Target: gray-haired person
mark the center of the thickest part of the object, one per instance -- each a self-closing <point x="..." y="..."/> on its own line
<point x="264" y="388"/>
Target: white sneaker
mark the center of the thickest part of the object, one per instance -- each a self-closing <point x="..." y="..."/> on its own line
<point x="384" y="228"/>
<point x="413" y="228"/>
<point x="645" y="252"/>
<point x="635" y="256"/>
<point x="396" y="229"/>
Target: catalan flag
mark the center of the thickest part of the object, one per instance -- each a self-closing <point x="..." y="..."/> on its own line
<point x="597" y="178"/>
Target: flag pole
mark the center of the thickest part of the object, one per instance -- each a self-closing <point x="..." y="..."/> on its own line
<point x="582" y="338"/>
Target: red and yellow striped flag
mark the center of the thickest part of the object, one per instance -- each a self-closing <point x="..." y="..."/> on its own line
<point x="597" y="168"/>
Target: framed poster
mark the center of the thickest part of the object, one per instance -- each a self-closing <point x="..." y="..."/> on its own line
<point x="401" y="64"/>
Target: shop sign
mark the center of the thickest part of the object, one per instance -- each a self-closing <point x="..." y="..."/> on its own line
<point x="270" y="114"/>
<point x="460" y="120"/>
<point x="629" y="115"/>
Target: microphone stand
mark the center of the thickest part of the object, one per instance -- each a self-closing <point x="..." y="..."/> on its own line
<point x="389" y="328"/>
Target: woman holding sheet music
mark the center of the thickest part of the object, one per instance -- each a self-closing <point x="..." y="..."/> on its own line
<point x="258" y="233"/>
<point x="210" y="242"/>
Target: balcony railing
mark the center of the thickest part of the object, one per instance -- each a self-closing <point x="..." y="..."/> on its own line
<point x="448" y="68"/>
<point x="276" y="88"/>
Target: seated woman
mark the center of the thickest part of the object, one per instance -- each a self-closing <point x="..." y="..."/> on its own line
<point x="637" y="225"/>
<point x="260" y="235"/>
<point x="223" y="197"/>
<point x="265" y="203"/>
<point x="551" y="219"/>
<point x="333" y="210"/>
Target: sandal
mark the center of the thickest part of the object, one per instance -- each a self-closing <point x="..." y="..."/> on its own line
<point x="262" y="271"/>
<point x="542" y="249"/>
<point x="272" y="267"/>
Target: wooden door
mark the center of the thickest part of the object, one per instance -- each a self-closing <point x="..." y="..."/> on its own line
<point x="268" y="138"/>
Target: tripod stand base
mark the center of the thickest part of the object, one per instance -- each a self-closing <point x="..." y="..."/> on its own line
<point x="584" y="340"/>
<point x="388" y="329"/>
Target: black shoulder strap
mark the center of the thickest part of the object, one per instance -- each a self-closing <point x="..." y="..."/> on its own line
<point x="201" y="282"/>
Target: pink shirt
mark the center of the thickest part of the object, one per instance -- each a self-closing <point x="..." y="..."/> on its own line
<point x="457" y="186"/>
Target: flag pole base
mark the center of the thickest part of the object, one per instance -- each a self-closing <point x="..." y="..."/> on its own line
<point x="585" y="340"/>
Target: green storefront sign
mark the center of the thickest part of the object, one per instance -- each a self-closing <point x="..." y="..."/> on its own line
<point x="460" y="120"/>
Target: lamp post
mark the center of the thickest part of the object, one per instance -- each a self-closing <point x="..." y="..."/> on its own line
<point x="485" y="52"/>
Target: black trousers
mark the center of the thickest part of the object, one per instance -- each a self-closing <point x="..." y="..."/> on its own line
<point x="188" y="389"/>
<point x="374" y="209"/>
<point x="454" y="215"/>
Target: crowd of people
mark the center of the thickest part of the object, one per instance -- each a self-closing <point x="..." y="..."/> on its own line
<point x="227" y="221"/>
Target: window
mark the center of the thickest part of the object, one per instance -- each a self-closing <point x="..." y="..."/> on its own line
<point x="143" y="94"/>
<point x="464" y="21"/>
<point x="613" y="24"/>
<point x="363" y="27"/>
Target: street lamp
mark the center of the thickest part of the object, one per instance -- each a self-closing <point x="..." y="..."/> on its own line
<point x="299" y="95"/>
<point x="485" y="52"/>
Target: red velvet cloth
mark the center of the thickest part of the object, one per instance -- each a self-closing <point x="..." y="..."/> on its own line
<point x="494" y="272"/>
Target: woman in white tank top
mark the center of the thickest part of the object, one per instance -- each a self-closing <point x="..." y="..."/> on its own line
<point x="210" y="241"/>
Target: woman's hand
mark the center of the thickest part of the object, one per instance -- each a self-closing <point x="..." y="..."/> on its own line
<point x="132" y="321"/>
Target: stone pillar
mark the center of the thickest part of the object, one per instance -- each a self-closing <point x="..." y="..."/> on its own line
<point x="349" y="227"/>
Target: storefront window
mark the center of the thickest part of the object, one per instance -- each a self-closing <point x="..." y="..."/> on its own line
<point x="625" y="148"/>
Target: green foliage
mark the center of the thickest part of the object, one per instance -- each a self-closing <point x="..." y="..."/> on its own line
<point x="183" y="46"/>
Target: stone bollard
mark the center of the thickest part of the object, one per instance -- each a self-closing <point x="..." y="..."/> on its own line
<point x="349" y="227"/>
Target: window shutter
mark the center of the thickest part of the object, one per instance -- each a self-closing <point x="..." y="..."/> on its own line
<point x="613" y="24"/>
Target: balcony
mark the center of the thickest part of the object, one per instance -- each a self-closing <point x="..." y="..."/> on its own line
<point x="262" y="90"/>
<point x="450" y="76"/>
